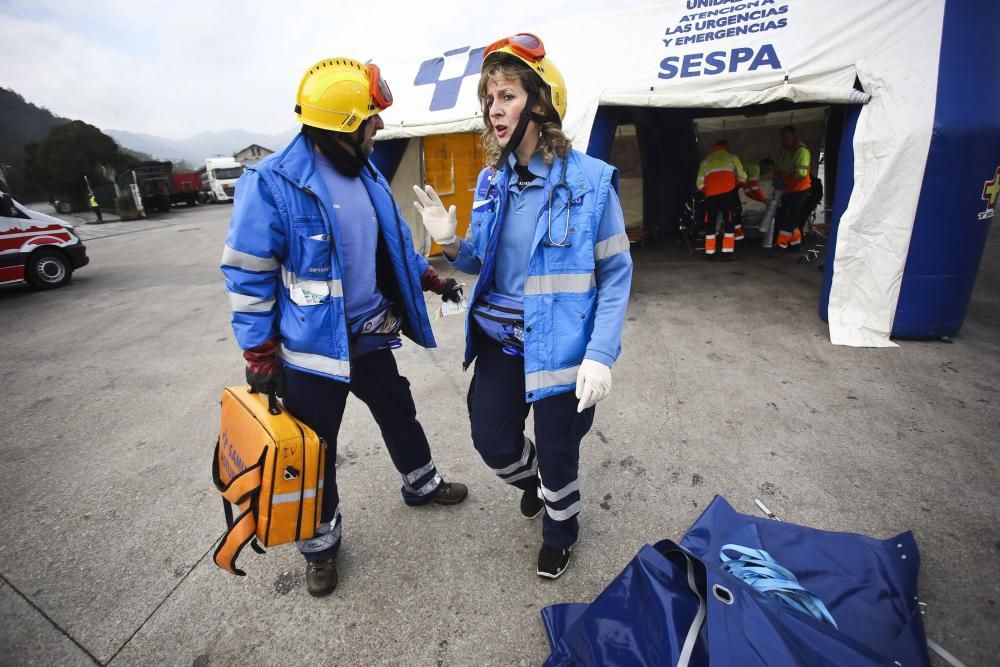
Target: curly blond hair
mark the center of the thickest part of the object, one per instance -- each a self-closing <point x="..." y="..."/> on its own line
<point x="551" y="140"/>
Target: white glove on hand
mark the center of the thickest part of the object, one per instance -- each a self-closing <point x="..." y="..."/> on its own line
<point x="593" y="383"/>
<point x="440" y="223"/>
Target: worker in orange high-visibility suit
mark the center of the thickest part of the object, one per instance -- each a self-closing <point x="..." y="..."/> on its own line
<point x="719" y="176"/>
<point x="792" y="176"/>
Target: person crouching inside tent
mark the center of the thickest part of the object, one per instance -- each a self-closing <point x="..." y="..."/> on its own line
<point x="755" y="197"/>
<point x="547" y="238"/>
<point x="720" y="176"/>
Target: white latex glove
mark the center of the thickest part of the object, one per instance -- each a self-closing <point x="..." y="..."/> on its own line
<point x="440" y="223"/>
<point x="593" y="383"/>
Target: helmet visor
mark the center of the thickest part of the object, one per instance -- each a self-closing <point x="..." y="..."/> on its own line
<point x="524" y="44"/>
<point x="378" y="88"/>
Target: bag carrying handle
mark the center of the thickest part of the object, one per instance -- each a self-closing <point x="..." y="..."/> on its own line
<point x="272" y="401"/>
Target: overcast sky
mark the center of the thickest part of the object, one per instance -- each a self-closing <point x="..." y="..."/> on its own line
<point x="178" y="68"/>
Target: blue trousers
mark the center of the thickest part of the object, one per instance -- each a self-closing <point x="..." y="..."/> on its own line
<point x="549" y="466"/>
<point x="320" y="402"/>
<point x="792" y="214"/>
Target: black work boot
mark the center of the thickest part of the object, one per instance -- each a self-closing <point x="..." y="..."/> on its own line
<point x="450" y="493"/>
<point x="552" y="562"/>
<point x="321" y="576"/>
<point x="531" y="504"/>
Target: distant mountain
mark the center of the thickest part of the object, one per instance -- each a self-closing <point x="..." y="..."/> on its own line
<point x="195" y="149"/>
<point x="21" y="122"/>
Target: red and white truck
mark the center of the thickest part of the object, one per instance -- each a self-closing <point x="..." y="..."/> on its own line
<point x="37" y="248"/>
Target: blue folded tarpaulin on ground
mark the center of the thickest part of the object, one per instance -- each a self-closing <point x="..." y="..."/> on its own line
<point x="669" y="605"/>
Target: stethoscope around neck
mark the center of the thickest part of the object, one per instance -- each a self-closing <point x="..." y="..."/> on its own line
<point x="561" y="183"/>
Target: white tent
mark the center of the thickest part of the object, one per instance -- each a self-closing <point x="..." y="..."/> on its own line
<point x="732" y="54"/>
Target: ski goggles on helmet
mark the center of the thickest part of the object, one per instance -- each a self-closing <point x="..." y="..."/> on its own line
<point x="523" y="44"/>
<point x="378" y="88"/>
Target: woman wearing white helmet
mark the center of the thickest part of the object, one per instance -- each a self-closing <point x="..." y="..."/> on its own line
<point x="547" y="239"/>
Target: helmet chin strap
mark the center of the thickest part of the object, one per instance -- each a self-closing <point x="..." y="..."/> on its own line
<point x="518" y="134"/>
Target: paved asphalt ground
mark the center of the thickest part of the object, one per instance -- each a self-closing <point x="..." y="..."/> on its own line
<point x="728" y="385"/>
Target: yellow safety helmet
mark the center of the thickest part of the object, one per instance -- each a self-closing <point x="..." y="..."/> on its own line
<point x="529" y="49"/>
<point x="338" y="94"/>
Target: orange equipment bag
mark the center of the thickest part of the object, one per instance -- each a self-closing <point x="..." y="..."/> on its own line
<point x="270" y="466"/>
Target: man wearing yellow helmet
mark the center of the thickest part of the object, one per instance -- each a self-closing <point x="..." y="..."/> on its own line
<point x="547" y="239"/>
<point x="323" y="278"/>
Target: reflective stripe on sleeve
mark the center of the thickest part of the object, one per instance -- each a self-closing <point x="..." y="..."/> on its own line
<point x="556" y="496"/>
<point x="242" y="260"/>
<point x="543" y="379"/>
<point x="610" y="247"/>
<point x="317" y="362"/>
<point x="243" y="303"/>
<point x="559" y="282"/>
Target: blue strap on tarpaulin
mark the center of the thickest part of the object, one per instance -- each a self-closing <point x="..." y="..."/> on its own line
<point x="675" y="604"/>
<point x="757" y="569"/>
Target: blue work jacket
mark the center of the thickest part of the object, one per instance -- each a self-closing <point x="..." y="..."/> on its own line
<point x="576" y="292"/>
<point x="283" y="265"/>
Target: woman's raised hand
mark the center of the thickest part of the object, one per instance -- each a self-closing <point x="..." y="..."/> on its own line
<point x="440" y="223"/>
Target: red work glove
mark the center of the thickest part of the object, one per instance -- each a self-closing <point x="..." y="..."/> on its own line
<point x="264" y="370"/>
<point x="449" y="289"/>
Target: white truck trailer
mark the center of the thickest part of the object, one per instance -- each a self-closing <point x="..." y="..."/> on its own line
<point x="219" y="177"/>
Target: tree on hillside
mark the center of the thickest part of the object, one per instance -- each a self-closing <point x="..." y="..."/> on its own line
<point x="21" y="123"/>
<point x="70" y="152"/>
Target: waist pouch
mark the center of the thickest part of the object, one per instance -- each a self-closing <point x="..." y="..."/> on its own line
<point x="502" y="320"/>
<point x="376" y="331"/>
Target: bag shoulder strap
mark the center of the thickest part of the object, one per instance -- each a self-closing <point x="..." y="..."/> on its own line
<point x="242" y="491"/>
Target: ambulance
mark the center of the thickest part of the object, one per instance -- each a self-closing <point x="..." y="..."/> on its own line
<point x="37" y="248"/>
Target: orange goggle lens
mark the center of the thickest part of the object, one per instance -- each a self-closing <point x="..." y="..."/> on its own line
<point x="378" y="88"/>
<point x="524" y="44"/>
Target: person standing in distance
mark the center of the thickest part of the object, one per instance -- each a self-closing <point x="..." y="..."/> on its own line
<point x="547" y="238"/>
<point x="792" y="177"/>
<point x="323" y="278"/>
<point x="94" y="206"/>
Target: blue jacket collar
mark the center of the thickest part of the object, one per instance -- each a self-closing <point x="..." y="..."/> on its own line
<point x="536" y="166"/>
<point x="570" y="166"/>
<point x="298" y="164"/>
